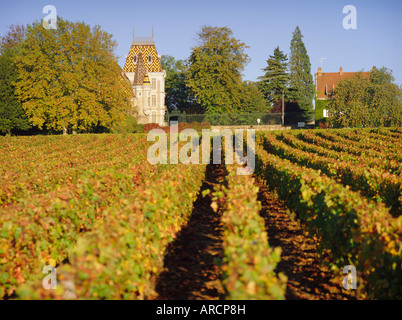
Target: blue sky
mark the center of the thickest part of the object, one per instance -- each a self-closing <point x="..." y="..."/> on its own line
<point x="262" y="25"/>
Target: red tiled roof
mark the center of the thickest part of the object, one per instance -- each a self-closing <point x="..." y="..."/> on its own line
<point x="327" y="81"/>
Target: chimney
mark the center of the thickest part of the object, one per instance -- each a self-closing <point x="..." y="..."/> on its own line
<point x="341" y="71"/>
<point x="319" y="71"/>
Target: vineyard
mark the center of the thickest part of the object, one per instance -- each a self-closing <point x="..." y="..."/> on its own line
<point x="117" y="227"/>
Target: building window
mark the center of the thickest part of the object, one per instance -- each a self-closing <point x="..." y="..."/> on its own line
<point x="135" y="59"/>
<point x="153" y="81"/>
<point x="154" y="100"/>
<point x="325" y="113"/>
<point x="149" y="59"/>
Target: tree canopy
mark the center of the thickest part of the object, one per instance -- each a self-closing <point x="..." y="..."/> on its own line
<point x="363" y="102"/>
<point x="214" y="73"/>
<point x="253" y="100"/>
<point x="12" y="115"/>
<point x="177" y="92"/>
<point x="69" y="78"/>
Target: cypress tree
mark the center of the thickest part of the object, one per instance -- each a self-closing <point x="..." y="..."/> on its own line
<point x="301" y="80"/>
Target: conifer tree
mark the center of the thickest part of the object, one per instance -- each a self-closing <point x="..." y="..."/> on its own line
<point x="301" y="81"/>
<point x="275" y="80"/>
<point x="253" y="100"/>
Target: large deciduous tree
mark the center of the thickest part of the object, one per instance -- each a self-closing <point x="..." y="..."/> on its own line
<point x="366" y="101"/>
<point x="12" y="115"/>
<point x="301" y="80"/>
<point x="214" y="74"/>
<point x="69" y="78"/>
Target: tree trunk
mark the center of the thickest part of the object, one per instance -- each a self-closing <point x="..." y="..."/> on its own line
<point x="64" y="131"/>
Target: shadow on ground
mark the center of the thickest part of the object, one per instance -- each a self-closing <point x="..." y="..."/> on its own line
<point x="307" y="279"/>
<point x="190" y="264"/>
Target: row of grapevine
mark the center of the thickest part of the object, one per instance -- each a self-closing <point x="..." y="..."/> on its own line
<point x="371" y="182"/>
<point x="124" y="252"/>
<point x="360" y="146"/>
<point x="339" y="149"/>
<point x="349" y="228"/>
<point x="103" y="216"/>
<point x="365" y="141"/>
<point x="249" y="261"/>
<point x="47" y="169"/>
<point x="97" y="210"/>
<point x="41" y="228"/>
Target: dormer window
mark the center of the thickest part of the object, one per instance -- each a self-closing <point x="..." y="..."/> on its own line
<point x="135" y="59"/>
<point x="149" y="59"/>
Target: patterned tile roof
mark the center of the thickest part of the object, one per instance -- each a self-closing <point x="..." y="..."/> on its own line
<point x="150" y="57"/>
<point x="127" y="80"/>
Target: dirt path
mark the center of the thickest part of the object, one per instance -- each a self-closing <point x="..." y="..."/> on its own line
<point x="190" y="270"/>
<point x="307" y="280"/>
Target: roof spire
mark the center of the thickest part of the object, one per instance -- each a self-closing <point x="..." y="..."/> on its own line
<point x="141" y="76"/>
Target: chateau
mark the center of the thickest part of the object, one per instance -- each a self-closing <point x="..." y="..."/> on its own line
<point x="144" y="71"/>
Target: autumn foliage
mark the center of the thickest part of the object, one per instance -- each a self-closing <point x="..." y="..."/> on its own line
<point x="346" y="204"/>
<point x="94" y="207"/>
<point x="69" y="78"/>
<point x="249" y="262"/>
<point x="94" y="201"/>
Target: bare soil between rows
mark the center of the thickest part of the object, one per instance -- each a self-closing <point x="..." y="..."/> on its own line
<point x="191" y="264"/>
<point x="307" y="278"/>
